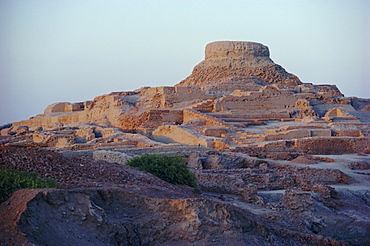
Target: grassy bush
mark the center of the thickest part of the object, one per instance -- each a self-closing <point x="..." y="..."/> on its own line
<point x="171" y="169"/>
<point x="11" y="180"/>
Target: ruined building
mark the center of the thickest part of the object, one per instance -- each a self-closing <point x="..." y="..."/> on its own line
<point x="278" y="162"/>
<point x="237" y="99"/>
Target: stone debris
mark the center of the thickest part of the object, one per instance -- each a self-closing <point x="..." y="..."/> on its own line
<point x="361" y="165"/>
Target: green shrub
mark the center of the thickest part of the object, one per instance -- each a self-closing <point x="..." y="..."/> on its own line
<point x="11" y="180"/>
<point x="171" y="169"/>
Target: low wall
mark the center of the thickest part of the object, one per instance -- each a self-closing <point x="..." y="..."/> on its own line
<point x="191" y="114"/>
<point x="319" y="145"/>
<point x="177" y="134"/>
<point x="111" y="156"/>
<point x="332" y="145"/>
<point x="64" y="118"/>
<point x="298" y="133"/>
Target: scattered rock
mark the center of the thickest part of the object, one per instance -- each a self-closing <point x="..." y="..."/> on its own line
<point x="361" y="165"/>
<point x="19" y="129"/>
<point x="367" y="150"/>
<point x="298" y="201"/>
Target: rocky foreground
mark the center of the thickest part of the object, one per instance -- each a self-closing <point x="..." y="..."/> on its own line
<point x="278" y="162"/>
<point x="260" y="203"/>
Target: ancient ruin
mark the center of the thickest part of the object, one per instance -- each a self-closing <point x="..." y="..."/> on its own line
<point x="267" y="149"/>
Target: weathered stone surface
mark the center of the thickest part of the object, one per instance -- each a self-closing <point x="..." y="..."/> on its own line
<point x="216" y="132"/>
<point x="194" y="161"/>
<point x="19" y="129"/>
<point x="303" y="160"/>
<point x="63" y="107"/>
<point x="347" y="130"/>
<point x="292" y="134"/>
<point x="111" y="156"/>
<point x="361" y="165"/>
<point x="214" y="162"/>
<point x="298" y="201"/>
<point x="86" y="217"/>
<point x="224" y="60"/>
<point x="84" y="135"/>
<point x="336" y="145"/>
<point x="246" y="50"/>
<point x="7" y="132"/>
<point x="367" y="150"/>
<point x="177" y="134"/>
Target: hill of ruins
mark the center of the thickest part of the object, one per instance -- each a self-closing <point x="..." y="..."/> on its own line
<point x="292" y="157"/>
<point x="237" y="99"/>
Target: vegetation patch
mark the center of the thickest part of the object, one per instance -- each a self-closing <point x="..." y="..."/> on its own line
<point x="171" y="169"/>
<point x="12" y="180"/>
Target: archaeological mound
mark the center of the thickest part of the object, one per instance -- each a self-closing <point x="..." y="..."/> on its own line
<point x="278" y="161"/>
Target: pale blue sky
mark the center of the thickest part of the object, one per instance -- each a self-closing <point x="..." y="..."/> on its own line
<point x="54" y="50"/>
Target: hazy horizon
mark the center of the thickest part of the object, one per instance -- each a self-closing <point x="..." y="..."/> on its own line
<point x="57" y="51"/>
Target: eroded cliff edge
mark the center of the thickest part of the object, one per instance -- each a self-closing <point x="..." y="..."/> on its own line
<point x="111" y="204"/>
